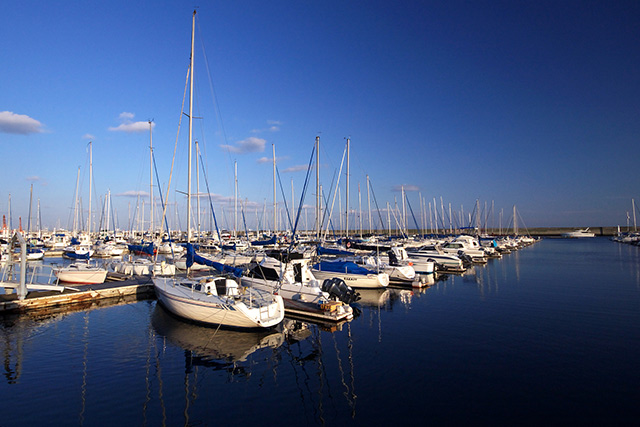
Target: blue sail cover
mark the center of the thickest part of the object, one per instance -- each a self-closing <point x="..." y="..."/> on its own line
<point x="342" y="267"/>
<point x="271" y="241"/>
<point x="193" y="257"/>
<point x="142" y="249"/>
<point x="332" y="251"/>
<point x="73" y="255"/>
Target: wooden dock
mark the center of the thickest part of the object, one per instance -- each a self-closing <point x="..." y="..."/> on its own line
<point x="131" y="289"/>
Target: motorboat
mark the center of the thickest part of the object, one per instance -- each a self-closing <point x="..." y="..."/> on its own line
<point x="353" y="274"/>
<point x="578" y="234"/>
<point x="142" y="267"/>
<point x="434" y="253"/>
<point x="467" y="246"/>
<point x="303" y="294"/>
<point x="80" y="272"/>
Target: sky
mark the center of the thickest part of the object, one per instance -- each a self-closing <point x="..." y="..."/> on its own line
<point x="462" y="104"/>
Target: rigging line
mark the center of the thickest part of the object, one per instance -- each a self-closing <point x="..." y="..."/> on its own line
<point x="216" y="107"/>
<point x="155" y="168"/>
<point x="377" y="207"/>
<point x="175" y="148"/>
<point x="344" y="152"/>
<point x="284" y="199"/>
<point x="206" y="181"/>
<point x="302" y="195"/>
<point x="414" y="217"/>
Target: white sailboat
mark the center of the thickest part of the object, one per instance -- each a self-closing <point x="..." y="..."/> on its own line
<point x="215" y="299"/>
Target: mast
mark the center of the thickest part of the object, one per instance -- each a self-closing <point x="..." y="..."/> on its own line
<point x="347" y="193"/>
<point x="273" y="148"/>
<point x="317" y="187"/>
<point x="633" y="206"/>
<point x="198" y="186"/>
<point x="150" y="177"/>
<point x="235" y="199"/>
<point x="75" y="206"/>
<point x="193" y="33"/>
<point x="515" y="221"/>
<point x="404" y="212"/>
<point x="360" y="209"/>
<point x="90" y="184"/>
<point x="369" y="203"/>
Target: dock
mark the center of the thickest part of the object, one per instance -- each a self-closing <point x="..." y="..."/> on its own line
<point x="131" y="289"/>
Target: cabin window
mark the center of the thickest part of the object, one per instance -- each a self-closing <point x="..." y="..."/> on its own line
<point x="297" y="271"/>
<point x="221" y="287"/>
<point x="265" y="273"/>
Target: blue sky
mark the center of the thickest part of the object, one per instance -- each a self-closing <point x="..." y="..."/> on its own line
<point x="528" y="103"/>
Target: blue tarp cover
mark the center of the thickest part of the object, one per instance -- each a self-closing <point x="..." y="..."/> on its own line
<point x="271" y="241"/>
<point x="342" y="267"/>
<point x="332" y="251"/>
<point x="193" y="257"/>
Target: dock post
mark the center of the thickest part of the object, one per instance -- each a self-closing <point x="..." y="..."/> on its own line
<point x="22" y="288"/>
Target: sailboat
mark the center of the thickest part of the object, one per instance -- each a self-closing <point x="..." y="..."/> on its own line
<point x="82" y="272"/>
<point x="215" y="299"/>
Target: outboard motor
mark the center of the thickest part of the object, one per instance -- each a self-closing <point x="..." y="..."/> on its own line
<point x="337" y="288"/>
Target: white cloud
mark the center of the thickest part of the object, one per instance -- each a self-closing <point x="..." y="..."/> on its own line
<point x="33" y="178"/>
<point x="270" y="159"/>
<point x="274" y="126"/>
<point x="295" y="169"/>
<point x="128" y="125"/>
<point x="133" y="193"/>
<point x="18" y="123"/>
<point x="249" y="145"/>
<point x="88" y="136"/>
<point x="407" y="187"/>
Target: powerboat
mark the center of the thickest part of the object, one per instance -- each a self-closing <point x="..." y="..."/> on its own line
<point x="578" y="234"/>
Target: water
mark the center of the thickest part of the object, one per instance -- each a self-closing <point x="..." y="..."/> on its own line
<point x="550" y="333"/>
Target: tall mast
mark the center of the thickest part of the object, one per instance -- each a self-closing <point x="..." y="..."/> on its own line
<point x="404" y="212"/>
<point x="193" y="33"/>
<point x="317" y="187"/>
<point x="235" y="199"/>
<point x="633" y="206"/>
<point x="198" y="186"/>
<point x="75" y="206"/>
<point x="369" y="203"/>
<point x="360" y="210"/>
<point x="150" y="177"/>
<point x="90" y="184"/>
<point x="347" y="193"/>
<point x="273" y="148"/>
<point x="515" y="221"/>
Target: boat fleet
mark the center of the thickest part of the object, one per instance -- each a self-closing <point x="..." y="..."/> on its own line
<point x="240" y="283"/>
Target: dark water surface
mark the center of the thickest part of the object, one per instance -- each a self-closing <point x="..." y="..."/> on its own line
<point x="548" y="334"/>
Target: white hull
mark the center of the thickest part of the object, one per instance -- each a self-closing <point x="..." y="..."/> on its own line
<point x="366" y="281"/>
<point x="80" y="274"/>
<point x="578" y="234"/>
<point x="242" y="312"/>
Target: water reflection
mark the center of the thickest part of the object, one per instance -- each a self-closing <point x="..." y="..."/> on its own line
<point x="215" y="348"/>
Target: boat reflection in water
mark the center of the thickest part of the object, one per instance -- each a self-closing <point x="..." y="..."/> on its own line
<point x="213" y="347"/>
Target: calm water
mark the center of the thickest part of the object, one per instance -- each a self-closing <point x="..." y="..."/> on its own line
<point x="547" y="334"/>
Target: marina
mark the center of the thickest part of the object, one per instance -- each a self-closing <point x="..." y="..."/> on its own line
<point x="544" y="334"/>
<point x="377" y="270"/>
